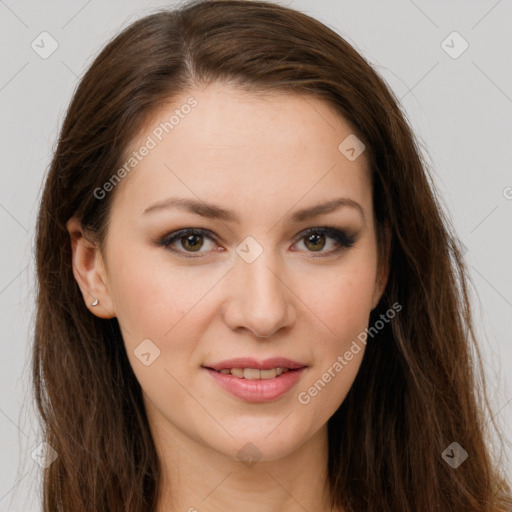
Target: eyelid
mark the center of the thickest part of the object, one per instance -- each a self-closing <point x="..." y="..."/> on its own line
<point x="174" y="236"/>
<point x="340" y="235"/>
<point x="345" y="240"/>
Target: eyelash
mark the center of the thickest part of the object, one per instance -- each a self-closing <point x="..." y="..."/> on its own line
<point x="344" y="240"/>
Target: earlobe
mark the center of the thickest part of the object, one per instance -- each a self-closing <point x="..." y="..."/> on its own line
<point x="89" y="271"/>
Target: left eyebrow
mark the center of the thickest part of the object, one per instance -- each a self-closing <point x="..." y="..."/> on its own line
<point x="213" y="211"/>
<point x="327" y="207"/>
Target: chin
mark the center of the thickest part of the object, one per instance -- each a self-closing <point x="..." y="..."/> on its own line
<point x="260" y="442"/>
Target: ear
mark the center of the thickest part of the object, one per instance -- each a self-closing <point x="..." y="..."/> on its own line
<point x="89" y="271"/>
<point x="383" y="270"/>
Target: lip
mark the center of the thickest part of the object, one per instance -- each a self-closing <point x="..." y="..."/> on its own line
<point x="257" y="390"/>
<point x="248" y="362"/>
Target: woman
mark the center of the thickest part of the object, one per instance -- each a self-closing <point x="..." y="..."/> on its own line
<point x="248" y="295"/>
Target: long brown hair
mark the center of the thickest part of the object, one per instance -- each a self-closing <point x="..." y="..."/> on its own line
<point x="420" y="386"/>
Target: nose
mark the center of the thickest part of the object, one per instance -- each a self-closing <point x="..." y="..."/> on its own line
<point x="258" y="298"/>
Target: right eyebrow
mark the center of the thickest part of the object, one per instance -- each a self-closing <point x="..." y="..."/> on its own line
<point x="213" y="211"/>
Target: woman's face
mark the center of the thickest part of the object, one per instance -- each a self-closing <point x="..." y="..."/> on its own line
<point x="252" y="284"/>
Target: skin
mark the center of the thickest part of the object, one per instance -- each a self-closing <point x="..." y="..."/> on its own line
<point x="264" y="157"/>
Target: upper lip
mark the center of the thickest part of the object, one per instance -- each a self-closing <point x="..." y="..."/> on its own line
<point x="249" y="362"/>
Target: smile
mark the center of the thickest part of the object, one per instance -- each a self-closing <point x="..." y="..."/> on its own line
<point x="257" y="386"/>
<point x="254" y="373"/>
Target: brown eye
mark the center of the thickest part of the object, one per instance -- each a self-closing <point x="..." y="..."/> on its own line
<point x="187" y="241"/>
<point x="192" y="242"/>
<point x="315" y="241"/>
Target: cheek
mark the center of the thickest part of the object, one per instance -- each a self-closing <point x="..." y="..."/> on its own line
<point x="157" y="300"/>
<point x="344" y="307"/>
<point x="343" y="301"/>
<point x="142" y="297"/>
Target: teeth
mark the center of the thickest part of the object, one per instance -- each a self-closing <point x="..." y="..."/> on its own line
<point x="268" y="374"/>
<point x="237" y="372"/>
<point x="251" y="373"/>
<point x="254" y="373"/>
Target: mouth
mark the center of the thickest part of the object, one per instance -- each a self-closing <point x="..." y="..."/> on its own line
<point x="254" y="373"/>
<point x="253" y="381"/>
<point x="235" y="365"/>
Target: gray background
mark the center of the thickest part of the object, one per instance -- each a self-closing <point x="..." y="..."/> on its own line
<point x="460" y="108"/>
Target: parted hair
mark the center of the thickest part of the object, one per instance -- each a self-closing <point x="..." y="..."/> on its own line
<point x="421" y="383"/>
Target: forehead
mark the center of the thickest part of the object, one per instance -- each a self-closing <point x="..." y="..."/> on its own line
<point x="226" y="144"/>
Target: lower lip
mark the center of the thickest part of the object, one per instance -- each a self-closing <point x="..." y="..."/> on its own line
<point x="257" y="390"/>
